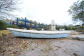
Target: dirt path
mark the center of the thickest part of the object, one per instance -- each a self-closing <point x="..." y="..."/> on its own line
<point x="11" y="46"/>
<point x="54" y="47"/>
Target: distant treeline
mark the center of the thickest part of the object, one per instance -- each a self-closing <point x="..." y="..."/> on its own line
<point x="29" y="24"/>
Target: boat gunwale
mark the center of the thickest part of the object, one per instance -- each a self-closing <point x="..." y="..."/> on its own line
<point x="35" y="32"/>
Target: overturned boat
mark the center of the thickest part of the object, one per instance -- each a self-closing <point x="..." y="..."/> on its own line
<point x="38" y="34"/>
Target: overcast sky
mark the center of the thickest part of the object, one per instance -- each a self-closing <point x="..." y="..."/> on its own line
<point x="44" y="11"/>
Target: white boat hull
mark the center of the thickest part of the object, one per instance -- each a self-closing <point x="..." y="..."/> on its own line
<point x="38" y="34"/>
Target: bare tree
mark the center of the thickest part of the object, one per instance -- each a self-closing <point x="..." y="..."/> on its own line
<point x="7" y="6"/>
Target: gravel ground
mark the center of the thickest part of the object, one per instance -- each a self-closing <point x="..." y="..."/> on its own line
<point x="11" y="46"/>
<point x="54" y="47"/>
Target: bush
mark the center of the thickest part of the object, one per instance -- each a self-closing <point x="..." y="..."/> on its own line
<point x="12" y="26"/>
<point x="2" y="25"/>
<point x="81" y="29"/>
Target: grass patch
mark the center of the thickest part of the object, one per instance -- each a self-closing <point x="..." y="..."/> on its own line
<point x="4" y="32"/>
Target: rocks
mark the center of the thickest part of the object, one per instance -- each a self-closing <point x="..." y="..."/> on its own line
<point x="78" y="37"/>
<point x="75" y="54"/>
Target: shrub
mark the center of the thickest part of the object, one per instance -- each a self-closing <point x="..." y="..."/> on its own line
<point x="2" y="25"/>
<point x="81" y="29"/>
<point x="12" y="26"/>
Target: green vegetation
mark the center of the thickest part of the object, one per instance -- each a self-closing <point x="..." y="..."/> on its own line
<point x="80" y="29"/>
<point x="38" y="26"/>
<point x="69" y="27"/>
<point x="77" y="10"/>
<point x="2" y="25"/>
<point x="4" y="32"/>
<point x="12" y="26"/>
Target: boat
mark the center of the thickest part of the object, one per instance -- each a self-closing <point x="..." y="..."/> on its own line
<point x="78" y="37"/>
<point x="38" y="34"/>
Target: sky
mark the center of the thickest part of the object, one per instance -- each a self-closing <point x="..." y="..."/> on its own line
<point x="44" y="11"/>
